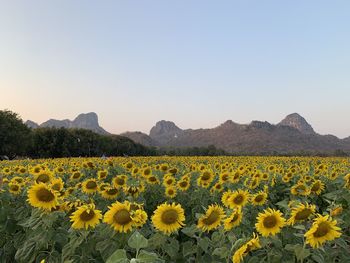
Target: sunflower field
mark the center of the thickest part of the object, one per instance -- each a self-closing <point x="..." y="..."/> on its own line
<point x="175" y="209"/>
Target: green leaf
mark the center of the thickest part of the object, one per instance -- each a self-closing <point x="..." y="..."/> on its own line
<point x="157" y="240"/>
<point x="190" y="230"/>
<point x="222" y="252"/>
<point x="172" y="248"/>
<point x="119" y="256"/>
<point x="204" y="243"/>
<point x="137" y="241"/>
<point x="148" y="257"/>
<point x="188" y="248"/>
<point x="300" y="252"/>
<point x="283" y="204"/>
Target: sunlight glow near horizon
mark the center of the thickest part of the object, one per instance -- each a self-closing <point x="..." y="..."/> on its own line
<point x="196" y="63"/>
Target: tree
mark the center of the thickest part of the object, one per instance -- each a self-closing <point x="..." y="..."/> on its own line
<point x="14" y="134"/>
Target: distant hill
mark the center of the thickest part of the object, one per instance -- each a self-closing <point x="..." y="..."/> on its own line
<point x="292" y="134"/>
<point x="88" y="121"/>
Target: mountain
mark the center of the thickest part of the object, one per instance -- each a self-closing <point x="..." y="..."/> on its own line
<point x="298" y="122"/>
<point x="292" y="134"/>
<point x="88" y="121"/>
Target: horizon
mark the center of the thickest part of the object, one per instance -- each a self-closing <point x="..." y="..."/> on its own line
<point x="196" y="64"/>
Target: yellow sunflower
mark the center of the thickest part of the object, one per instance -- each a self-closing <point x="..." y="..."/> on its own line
<point x="89" y="186"/>
<point x="42" y="196"/>
<point x="212" y="218"/>
<point x="76" y="175"/>
<point x="102" y="174"/>
<point x="317" y="187"/>
<point x="43" y="176"/>
<point x="139" y="217"/>
<point x="119" y="217"/>
<point x="323" y="229"/>
<point x="170" y="191"/>
<point x="259" y="198"/>
<point x="85" y="216"/>
<point x="14" y="188"/>
<point x="168" y="218"/>
<point x="119" y="181"/>
<point x="233" y="220"/>
<point x="57" y="184"/>
<point x="269" y="222"/>
<point x="238" y="198"/>
<point x="251" y="245"/>
<point x="183" y="185"/>
<point x="300" y="213"/>
<point x="110" y="193"/>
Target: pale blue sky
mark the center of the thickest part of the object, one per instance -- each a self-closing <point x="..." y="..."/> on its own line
<point x="197" y="63"/>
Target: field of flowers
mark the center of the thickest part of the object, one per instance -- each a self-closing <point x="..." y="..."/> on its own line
<point x="175" y="209"/>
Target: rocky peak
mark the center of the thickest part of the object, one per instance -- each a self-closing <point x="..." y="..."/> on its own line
<point x="86" y="120"/>
<point x="31" y="124"/>
<point x="261" y="124"/>
<point x="165" y="128"/>
<point x="296" y="121"/>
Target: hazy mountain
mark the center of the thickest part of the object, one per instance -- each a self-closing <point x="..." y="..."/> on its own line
<point x="88" y="121"/>
<point x="292" y="134"/>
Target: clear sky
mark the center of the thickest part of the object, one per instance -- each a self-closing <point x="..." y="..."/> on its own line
<point x="197" y="63"/>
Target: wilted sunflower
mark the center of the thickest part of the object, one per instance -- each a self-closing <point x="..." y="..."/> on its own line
<point x="251" y="245"/>
<point x="238" y="198"/>
<point x="42" y="196"/>
<point x="323" y="229"/>
<point x="89" y="186"/>
<point x="168" y="218"/>
<point x="119" y="217"/>
<point x="86" y="216"/>
<point x="212" y="218"/>
<point x="233" y="220"/>
<point x="259" y="198"/>
<point x="269" y="222"/>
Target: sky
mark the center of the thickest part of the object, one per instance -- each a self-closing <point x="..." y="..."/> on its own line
<point x="197" y="63"/>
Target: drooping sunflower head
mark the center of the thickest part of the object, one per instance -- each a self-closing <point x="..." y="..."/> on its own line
<point x="119" y="217"/>
<point x="212" y="218"/>
<point x="251" y="245"/>
<point x="300" y="213"/>
<point x="86" y="216"/>
<point x="269" y="222"/>
<point x="233" y="220"/>
<point x="42" y="196"/>
<point x="323" y="229"/>
<point x="168" y="218"/>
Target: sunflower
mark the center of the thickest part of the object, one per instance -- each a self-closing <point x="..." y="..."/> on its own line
<point x="76" y="175"/>
<point x="336" y="211"/>
<point x="14" y="188"/>
<point x="323" y="229"/>
<point x="205" y="179"/>
<point x="42" y="196"/>
<point x="301" y="212"/>
<point x="238" y="198"/>
<point x="216" y="188"/>
<point x="169" y="180"/>
<point x="269" y="222"/>
<point x="224" y="177"/>
<point x="233" y="220"/>
<point x="183" y="185"/>
<point x="110" y="193"/>
<point x="44" y="176"/>
<point x="102" y="174"/>
<point x="225" y="198"/>
<point x="119" y="181"/>
<point x="89" y="186"/>
<point x="300" y="189"/>
<point x="212" y="218"/>
<point x="119" y="217"/>
<point x="152" y="179"/>
<point x="170" y="192"/>
<point x="251" y="245"/>
<point x="168" y="218"/>
<point x="139" y="217"/>
<point x="86" y="216"/>
<point x="317" y="187"/>
<point x="18" y="180"/>
<point x="259" y="198"/>
<point x="57" y="184"/>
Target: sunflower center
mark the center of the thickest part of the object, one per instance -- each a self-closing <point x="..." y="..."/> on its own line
<point x="120" y="181"/>
<point x="270" y="221"/>
<point x="56" y="187"/>
<point x="322" y="230"/>
<point x="315" y="187"/>
<point x="122" y="217"/>
<point x="87" y="216"/>
<point x="112" y="191"/>
<point x="302" y="215"/>
<point x="169" y="217"/>
<point x="259" y="198"/>
<point x="152" y="179"/>
<point x="45" y="195"/>
<point x="238" y="199"/>
<point x="76" y="175"/>
<point x="169" y="181"/>
<point x="183" y="184"/>
<point x="234" y="218"/>
<point x="14" y="187"/>
<point x="91" y="185"/>
<point x="212" y="218"/>
<point x="205" y="176"/>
